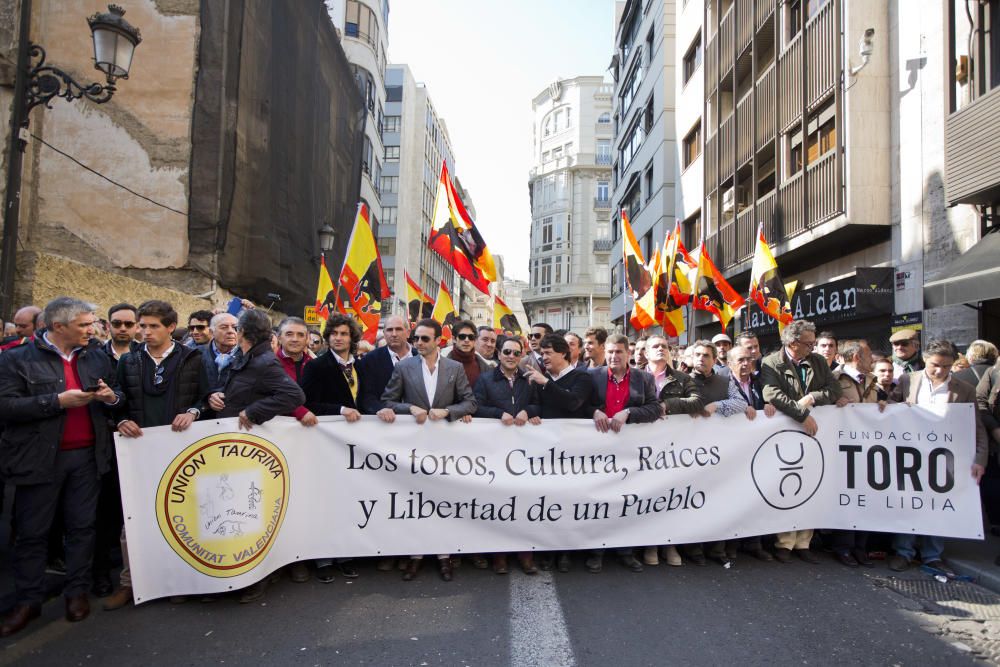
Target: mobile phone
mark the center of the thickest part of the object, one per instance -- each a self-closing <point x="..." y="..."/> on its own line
<point x="92" y="387"/>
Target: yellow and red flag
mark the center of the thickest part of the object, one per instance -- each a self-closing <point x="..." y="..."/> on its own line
<point x="644" y="307"/>
<point x="712" y="292"/>
<point x="681" y="268"/>
<point x="767" y="289"/>
<point x="418" y="304"/>
<point x="636" y="272"/>
<point x="326" y="296"/>
<point x="454" y="236"/>
<point x="445" y="312"/>
<point x="667" y="284"/>
<point x="504" y="318"/>
<point x="362" y="283"/>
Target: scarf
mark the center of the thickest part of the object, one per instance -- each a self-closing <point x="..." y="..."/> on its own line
<point x="469" y="362"/>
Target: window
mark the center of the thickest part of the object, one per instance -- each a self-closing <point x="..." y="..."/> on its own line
<point x="604" y="118"/>
<point x="813" y="7"/>
<point x="548" y="126"/>
<point x="646" y="245"/>
<point x="793" y="19"/>
<point x="629" y="88"/>
<point x="366" y="155"/>
<point x="392" y="153"/>
<point x="649" y="46"/>
<point x="692" y="145"/>
<point x="389" y="184"/>
<point x="632" y="202"/>
<point x="394" y="94"/>
<point x="821" y="138"/>
<point x="647" y="115"/>
<point x="633" y="140"/>
<point x="692" y="59"/>
<point x="603" y="151"/>
<point x="392" y="123"/>
<point x="361" y="23"/>
<point x="629" y="33"/>
<point x="387" y="246"/>
<point x="389" y="214"/>
<point x="602" y="191"/>
<point x="569" y="117"/>
<point x="648" y="182"/>
<point x="690" y="229"/>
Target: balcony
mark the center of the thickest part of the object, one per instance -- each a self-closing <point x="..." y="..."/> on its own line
<point x="744" y="130"/>
<point x="764" y="10"/>
<point x="726" y="148"/>
<point x="712" y="64"/>
<point x="744" y="24"/>
<point x="602" y="245"/>
<point x="790" y="84"/>
<point x="821" y="58"/>
<point x="824" y="195"/>
<point x="711" y="163"/>
<point x="972" y="152"/>
<point x="725" y="38"/>
<point x="602" y="159"/>
<point x="602" y="203"/>
<point x="766" y="103"/>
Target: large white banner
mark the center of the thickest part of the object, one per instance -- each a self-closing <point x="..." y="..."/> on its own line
<point x="215" y="509"/>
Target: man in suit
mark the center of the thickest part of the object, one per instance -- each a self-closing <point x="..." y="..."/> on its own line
<point x="620" y="395"/>
<point x="428" y="387"/>
<point x="218" y="353"/>
<point x="906" y="357"/>
<point x="935" y="385"/>
<point x="534" y="357"/>
<point x="795" y="380"/>
<point x="377" y="366"/>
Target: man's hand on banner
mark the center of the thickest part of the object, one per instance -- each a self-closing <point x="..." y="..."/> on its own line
<point x="386" y="415"/>
<point x="810" y="426"/>
<point x="507" y="420"/>
<point x="438" y="414"/>
<point x="619" y="420"/>
<point x="309" y="419"/>
<point x="750" y="413"/>
<point x="466" y="419"/>
<point x="977" y="472"/>
<point x="522" y="418"/>
<point x="419" y="413"/>
<point x="881" y="405"/>
<point x="601" y="421"/>
<point x="842" y="401"/>
<point x="245" y="422"/>
<point x="350" y="414"/>
<point x="182" y="422"/>
<point x="535" y="421"/>
<point x="217" y="401"/>
<point x="129" y="429"/>
<point x="770" y="410"/>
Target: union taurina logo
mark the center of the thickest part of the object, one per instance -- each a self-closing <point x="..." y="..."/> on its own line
<point x="221" y="502"/>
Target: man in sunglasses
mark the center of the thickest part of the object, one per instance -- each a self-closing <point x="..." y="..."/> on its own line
<point x="464" y="351"/>
<point x="504" y="393"/>
<point x="122" y="318"/>
<point x="163" y="383"/>
<point x="198" y="331"/>
<point x="428" y="387"/>
<point x="533" y="359"/>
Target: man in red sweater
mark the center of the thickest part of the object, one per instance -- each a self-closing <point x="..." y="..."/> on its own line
<point x="55" y="445"/>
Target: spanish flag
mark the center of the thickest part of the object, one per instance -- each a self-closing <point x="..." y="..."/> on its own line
<point x="667" y="288"/>
<point x="767" y="289"/>
<point x="418" y="304"/>
<point x="636" y="272"/>
<point x="445" y="312"/>
<point x="326" y="297"/>
<point x="362" y="283"/>
<point x="644" y="307"/>
<point x="504" y="318"/>
<point x="681" y="268"/>
<point x="454" y="236"/>
<point x="713" y="293"/>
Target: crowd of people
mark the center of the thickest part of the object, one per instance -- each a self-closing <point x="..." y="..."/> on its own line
<point x="70" y="379"/>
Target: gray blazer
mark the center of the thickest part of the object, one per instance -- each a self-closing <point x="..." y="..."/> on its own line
<point x="406" y="388"/>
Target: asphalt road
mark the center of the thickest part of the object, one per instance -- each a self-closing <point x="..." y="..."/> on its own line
<point x="754" y="613"/>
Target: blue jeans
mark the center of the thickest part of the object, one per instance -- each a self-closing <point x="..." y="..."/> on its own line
<point x="931" y="547"/>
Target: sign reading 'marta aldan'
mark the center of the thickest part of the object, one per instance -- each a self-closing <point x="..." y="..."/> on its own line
<point x="214" y="509"/>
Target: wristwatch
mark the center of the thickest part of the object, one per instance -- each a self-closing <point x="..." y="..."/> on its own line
<point x="195" y="411"/>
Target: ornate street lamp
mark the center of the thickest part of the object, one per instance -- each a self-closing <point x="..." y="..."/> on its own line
<point x="37" y="84"/>
<point x="327" y="237"/>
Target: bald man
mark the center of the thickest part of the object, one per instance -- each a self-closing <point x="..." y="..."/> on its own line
<point x="24" y="326"/>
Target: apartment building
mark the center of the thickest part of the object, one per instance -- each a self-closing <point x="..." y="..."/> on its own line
<point x="416" y="142"/>
<point x="570" y="187"/>
<point x="644" y="158"/>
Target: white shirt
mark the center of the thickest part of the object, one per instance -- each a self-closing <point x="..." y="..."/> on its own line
<point x="927" y="395"/>
<point x="430" y="378"/>
<point x="165" y="354"/>
<point x="659" y="379"/>
<point x="67" y="357"/>
<point x="395" y="357"/>
<point x="566" y="371"/>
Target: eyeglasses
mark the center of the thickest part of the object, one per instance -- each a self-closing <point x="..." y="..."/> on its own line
<point x="509" y="353"/>
<point x="197" y="327"/>
<point x="533" y="336"/>
<point x="122" y="323"/>
<point x="424" y="339"/>
<point x="465" y="336"/>
<point x="811" y="345"/>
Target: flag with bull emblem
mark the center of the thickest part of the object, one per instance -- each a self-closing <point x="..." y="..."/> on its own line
<point x="445" y="312"/>
<point x="767" y="289"/>
<point x="712" y="292"/>
<point x="363" y="287"/>
<point x="504" y="318"/>
<point x="454" y="236"/>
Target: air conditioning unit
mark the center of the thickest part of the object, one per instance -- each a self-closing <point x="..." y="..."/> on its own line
<point x="728" y="203"/>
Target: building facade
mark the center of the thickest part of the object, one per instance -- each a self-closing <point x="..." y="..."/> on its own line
<point x="570" y="188"/>
<point x="416" y="143"/>
<point x="363" y="26"/>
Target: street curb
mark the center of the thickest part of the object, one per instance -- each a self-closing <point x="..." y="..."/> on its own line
<point x="987" y="576"/>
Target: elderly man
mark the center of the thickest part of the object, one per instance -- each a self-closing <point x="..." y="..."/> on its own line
<point x="25" y="321"/>
<point x="428" y="387"/>
<point x="935" y="385"/>
<point x="748" y="340"/>
<point x="796" y="380"/>
<point x="486" y="343"/>
<point x="56" y="443"/>
<point x="620" y="395"/>
<point x="218" y="353"/>
<point x="906" y="357"/>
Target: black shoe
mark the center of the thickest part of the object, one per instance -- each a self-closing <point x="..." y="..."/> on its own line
<point x="347" y="571"/>
<point x="445" y="569"/>
<point x="325" y="574"/>
<point x="102" y="586"/>
<point x="594" y="563"/>
<point x="861" y="555"/>
<point x="761" y="555"/>
<point x="845" y="558"/>
<point x="941" y="566"/>
<point x="783" y="555"/>
<point x="807" y="556"/>
<point x="631" y="562"/>
<point x="697" y="559"/>
<point x="563" y="564"/>
<point x="412" y="567"/>
<point x="56" y="566"/>
<point x="899" y="563"/>
<point x="253" y="592"/>
<point x="546" y="562"/>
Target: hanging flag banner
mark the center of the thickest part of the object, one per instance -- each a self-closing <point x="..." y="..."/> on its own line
<point x="214" y="509"/>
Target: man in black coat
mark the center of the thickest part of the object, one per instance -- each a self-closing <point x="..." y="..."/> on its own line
<point x="257" y="390"/>
<point x="163" y="383"/>
<point x="376" y="366"/>
<point x="55" y="445"/>
<point x="564" y="391"/>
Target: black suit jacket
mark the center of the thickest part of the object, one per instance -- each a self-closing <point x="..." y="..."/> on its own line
<point x="326" y="387"/>
<point x="568" y="397"/>
<point x="376" y="368"/>
<point x="642" y="403"/>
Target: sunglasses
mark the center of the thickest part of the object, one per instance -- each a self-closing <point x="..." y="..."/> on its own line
<point x="466" y="336"/>
<point x="424" y="339"/>
<point x="158" y="375"/>
<point x="122" y="323"/>
<point x="534" y="336"/>
<point x="197" y="327"/>
<point x="508" y="353"/>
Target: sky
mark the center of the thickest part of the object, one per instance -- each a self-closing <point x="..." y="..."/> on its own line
<point x="482" y="62"/>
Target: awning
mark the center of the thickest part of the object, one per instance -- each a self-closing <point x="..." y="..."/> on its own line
<point x="973" y="277"/>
